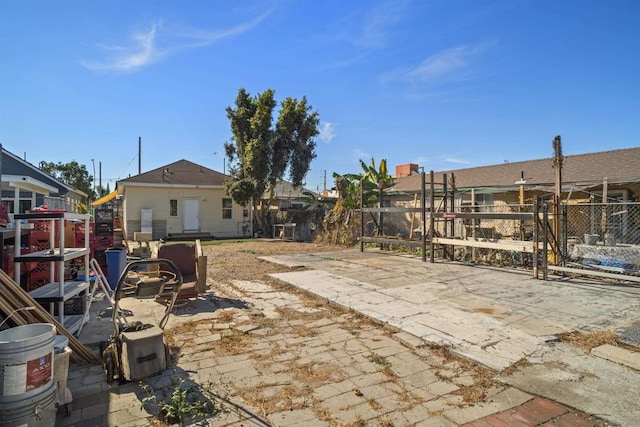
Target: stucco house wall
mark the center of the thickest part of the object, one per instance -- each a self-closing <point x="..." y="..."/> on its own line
<point x="182" y="182"/>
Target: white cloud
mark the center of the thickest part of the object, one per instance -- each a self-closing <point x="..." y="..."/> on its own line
<point x="327" y="132"/>
<point x="377" y="22"/>
<point x="444" y="63"/>
<point x="143" y="49"/>
<point x="201" y="38"/>
<point x="452" y="64"/>
<point x="457" y="161"/>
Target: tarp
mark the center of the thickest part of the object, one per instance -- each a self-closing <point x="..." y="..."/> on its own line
<point x="105" y="199"/>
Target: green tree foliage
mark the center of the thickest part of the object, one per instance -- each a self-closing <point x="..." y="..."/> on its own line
<point x="260" y="152"/>
<point x="73" y="174"/>
<point x="348" y="188"/>
<point x="379" y="179"/>
<point x="371" y="181"/>
<point x="376" y="178"/>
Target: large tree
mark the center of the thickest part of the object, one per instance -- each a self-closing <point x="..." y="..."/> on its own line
<point x="260" y="153"/>
<point x="72" y="174"/>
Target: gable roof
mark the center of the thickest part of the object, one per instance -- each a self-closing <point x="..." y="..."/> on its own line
<point x="584" y="170"/>
<point x="182" y="172"/>
<point x="31" y="177"/>
<point x="286" y="190"/>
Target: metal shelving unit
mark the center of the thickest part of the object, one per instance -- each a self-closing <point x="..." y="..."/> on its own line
<point x="58" y="290"/>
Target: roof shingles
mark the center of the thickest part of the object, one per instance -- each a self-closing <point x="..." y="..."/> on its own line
<point x="182" y="172"/>
<point x="617" y="166"/>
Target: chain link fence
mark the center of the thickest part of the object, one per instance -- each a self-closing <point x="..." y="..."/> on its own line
<point x="603" y="236"/>
<point x="593" y="235"/>
<point x="604" y="224"/>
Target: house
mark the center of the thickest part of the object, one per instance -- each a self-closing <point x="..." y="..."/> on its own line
<point x="286" y="196"/>
<point x="583" y="178"/>
<point x="181" y="199"/>
<point x="513" y="186"/>
<point x="25" y="187"/>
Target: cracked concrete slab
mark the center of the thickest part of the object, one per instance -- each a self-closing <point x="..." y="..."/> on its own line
<point x="496" y="318"/>
<point x="574" y="378"/>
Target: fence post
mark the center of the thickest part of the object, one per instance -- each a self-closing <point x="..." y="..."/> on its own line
<point x="361" y="216"/>
<point x="536" y="214"/>
<point x="423" y="218"/>
<point x="545" y="241"/>
<point x="565" y="235"/>
<point x="431" y="219"/>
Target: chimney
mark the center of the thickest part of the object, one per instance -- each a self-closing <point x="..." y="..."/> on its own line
<point x="407" y="169"/>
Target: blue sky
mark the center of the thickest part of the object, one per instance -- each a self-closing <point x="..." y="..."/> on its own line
<point x="447" y="84"/>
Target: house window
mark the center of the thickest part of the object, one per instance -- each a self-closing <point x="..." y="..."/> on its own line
<point x="173" y="207"/>
<point x="227" y="209"/>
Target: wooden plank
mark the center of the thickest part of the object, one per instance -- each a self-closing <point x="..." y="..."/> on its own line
<point x="389" y="241"/>
<point x="15" y="297"/>
<point x="594" y="273"/>
<point x="516" y="216"/>
<point x="508" y="245"/>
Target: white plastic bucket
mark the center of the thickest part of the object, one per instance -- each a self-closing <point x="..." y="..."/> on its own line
<point x="26" y="362"/>
<point x="36" y="411"/>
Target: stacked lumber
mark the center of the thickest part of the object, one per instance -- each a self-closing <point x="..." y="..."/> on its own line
<point x="24" y="310"/>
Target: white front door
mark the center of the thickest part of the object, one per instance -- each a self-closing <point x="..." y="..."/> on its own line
<point x="190" y="215"/>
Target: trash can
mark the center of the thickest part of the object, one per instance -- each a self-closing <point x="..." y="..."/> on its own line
<point x="116" y="261"/>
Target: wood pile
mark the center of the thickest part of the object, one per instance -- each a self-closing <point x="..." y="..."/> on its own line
<point x="16" y="302"/>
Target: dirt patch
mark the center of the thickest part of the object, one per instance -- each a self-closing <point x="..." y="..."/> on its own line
<point x="240" y="261"/>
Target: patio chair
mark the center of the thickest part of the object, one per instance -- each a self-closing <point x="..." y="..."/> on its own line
<point x="188" y="258"/>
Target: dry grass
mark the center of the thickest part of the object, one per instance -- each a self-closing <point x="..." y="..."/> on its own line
<point x="234" y="343"/>
<point x="483" y="377"/>
<point x="385" y="421"/>
<point x="358" y="422"/>
<point x="373" y="404"/>
<point x="322" y="412"/>
<point x="278" y="398"/>
<point x="590" y="340"/>
<point x="303" y="331"/>
<point x="314" y="374"/>
<point x="180" y="332"/>
<point x="225" y="316"/>
<point x="522" y="363"/>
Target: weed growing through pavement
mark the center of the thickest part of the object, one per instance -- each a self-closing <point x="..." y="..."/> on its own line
<point x="382" y="361"/>
<point x="186" y="402"/>
<point x="378" y="360"/>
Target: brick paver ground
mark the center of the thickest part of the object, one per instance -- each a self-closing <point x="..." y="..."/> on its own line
<point x="270" y="356"/>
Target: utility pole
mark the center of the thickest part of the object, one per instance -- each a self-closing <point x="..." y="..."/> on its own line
<point x="557" y="197"/>
<point x="139" y="155"/>
<point x="93" y="162"/>
<point x="224" y="162"/>
<point x="325" y="181"/>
